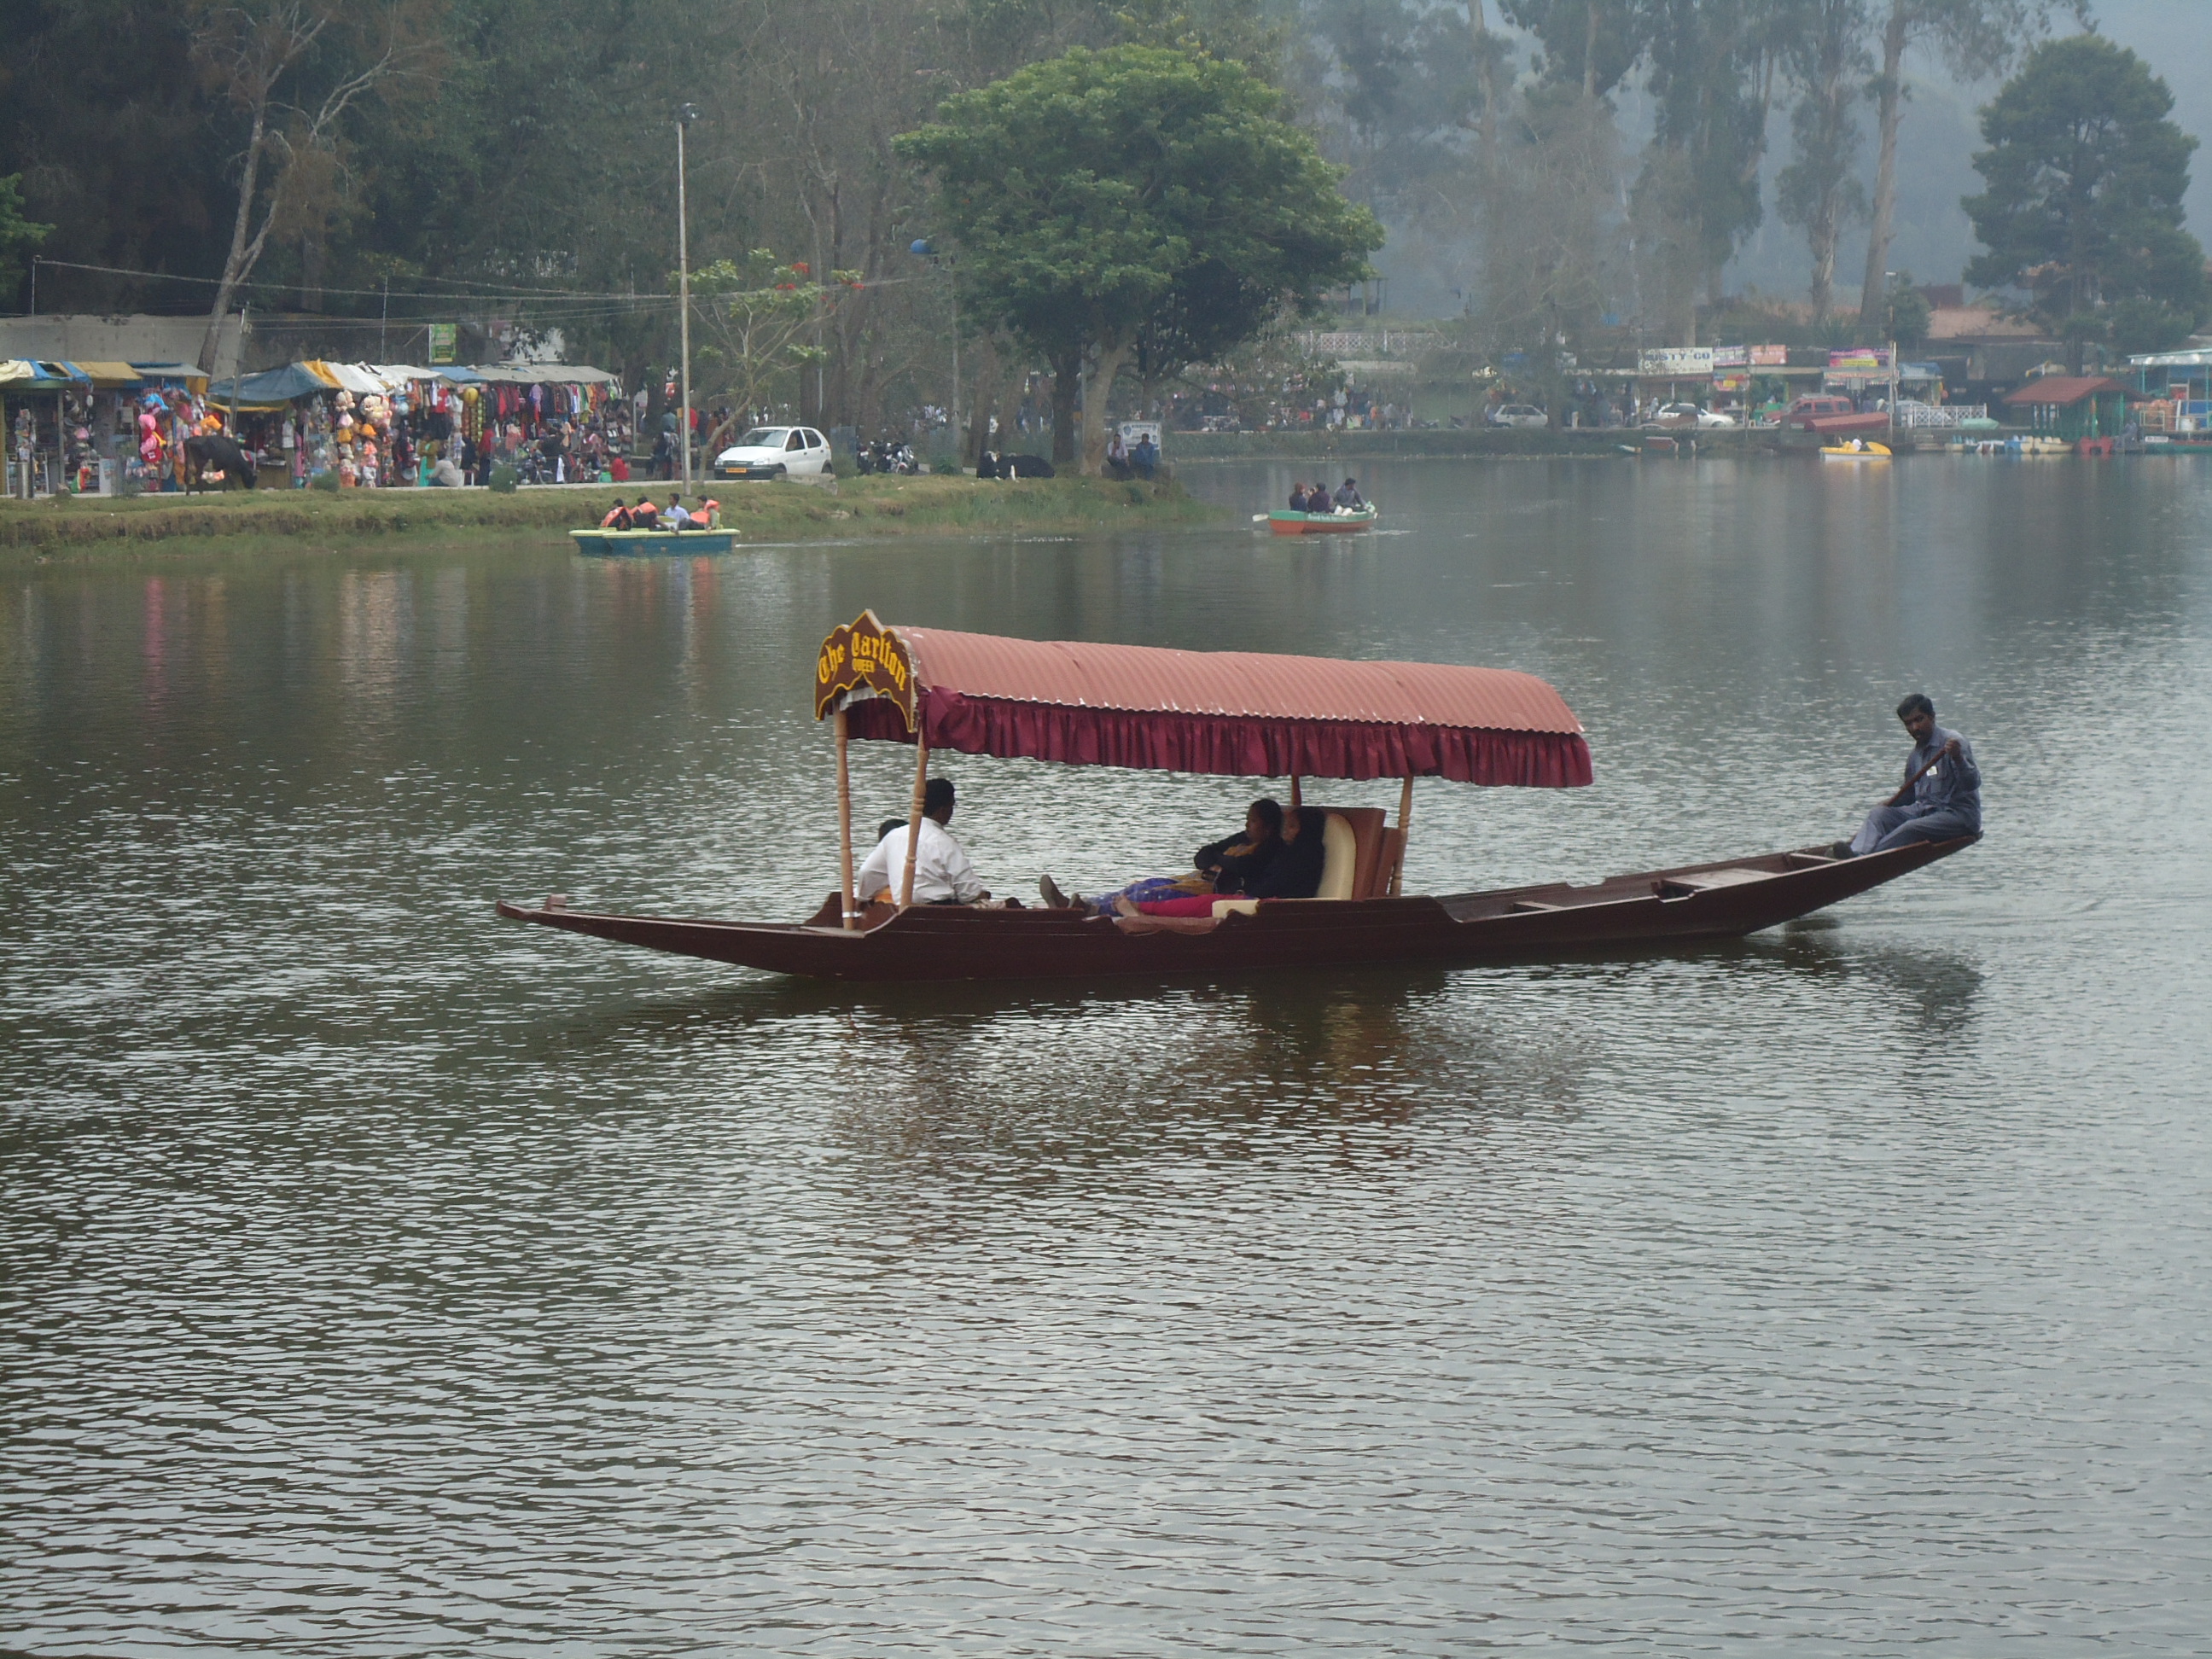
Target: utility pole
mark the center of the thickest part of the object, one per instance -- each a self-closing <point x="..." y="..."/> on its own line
<point x="685" y="115"/>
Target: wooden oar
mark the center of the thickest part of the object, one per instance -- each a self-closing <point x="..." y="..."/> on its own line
<point x="1905" y="795"/>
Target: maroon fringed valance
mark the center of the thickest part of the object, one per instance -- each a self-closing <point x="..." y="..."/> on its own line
<point x="1232" y="745"/>
<point x="1236" y="713"/>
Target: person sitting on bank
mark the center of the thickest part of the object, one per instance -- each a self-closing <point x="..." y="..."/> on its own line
<point x="942" y="874"/>
<point x="1347" y="498"/>
<point x="1225" y="866"/>
<point x="1146" y="457"/>
<point x="1117" y="456"/>
<point x="1941" y="799"/>
<point x="1294" y="872"/>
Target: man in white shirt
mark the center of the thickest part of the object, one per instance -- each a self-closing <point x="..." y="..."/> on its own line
<point x="675" y="518"/>
<point x="942" y="874"/>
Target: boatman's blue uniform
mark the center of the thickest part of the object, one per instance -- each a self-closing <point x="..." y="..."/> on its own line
<point x="1946" y="804"/>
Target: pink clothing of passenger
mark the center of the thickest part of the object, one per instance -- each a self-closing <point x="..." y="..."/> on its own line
<point x="1198" y="904"/>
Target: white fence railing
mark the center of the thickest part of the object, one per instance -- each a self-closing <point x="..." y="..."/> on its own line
<point x="1380" y="342"/>
<point x="1948" y="414"/>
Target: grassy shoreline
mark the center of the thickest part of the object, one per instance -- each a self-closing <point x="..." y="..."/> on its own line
<point x="842" y="509"/>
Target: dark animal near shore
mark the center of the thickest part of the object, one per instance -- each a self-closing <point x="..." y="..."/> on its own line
<point x="206" y="452"/>
<point x="995" y="466"/>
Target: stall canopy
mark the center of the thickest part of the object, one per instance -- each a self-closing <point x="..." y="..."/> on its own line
<point x="1230" y="713"/>
<point x="269" y="388"/>
<point x="542" y="374"/>
<point x="345" y="377"/>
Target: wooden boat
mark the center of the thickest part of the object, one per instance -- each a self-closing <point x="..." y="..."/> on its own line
<point x="1651" y="909"/>
<point x="1856" y="451"/>
<point x="1232" y="715"/>
<point x="607" y="543"/>
<point x="1844" y="426"/>
<point x="1283" y="522"/>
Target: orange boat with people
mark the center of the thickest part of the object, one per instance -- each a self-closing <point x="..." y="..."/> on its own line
<point x="1237" y="715"/>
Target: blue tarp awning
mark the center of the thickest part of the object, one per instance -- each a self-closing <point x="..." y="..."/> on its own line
<point x="275" y="386"/>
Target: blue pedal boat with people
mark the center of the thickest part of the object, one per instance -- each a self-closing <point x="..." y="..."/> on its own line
<point x="1233" y="715"/>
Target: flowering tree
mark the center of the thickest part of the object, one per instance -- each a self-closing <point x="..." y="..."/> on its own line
<point x="762" y="319"/>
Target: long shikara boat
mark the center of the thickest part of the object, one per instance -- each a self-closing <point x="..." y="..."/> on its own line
<point x="1240" y="714"/>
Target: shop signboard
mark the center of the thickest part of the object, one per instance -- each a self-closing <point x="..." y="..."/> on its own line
<point x="1735" y="382"/>
<point x="1859" y="359"/>
<point x="1769" y="357"/>
<point x="442" y="342"/>
<point x="1674" y="362"/>
<point x="1731" y="356"/>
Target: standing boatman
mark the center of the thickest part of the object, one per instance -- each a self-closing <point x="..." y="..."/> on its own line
<point x="1941" y="799"/>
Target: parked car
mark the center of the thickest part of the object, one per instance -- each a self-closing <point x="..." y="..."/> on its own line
<point x="1690" y="417"/>
<point x="775" y="451"/>
<point x="1518" y="414"/>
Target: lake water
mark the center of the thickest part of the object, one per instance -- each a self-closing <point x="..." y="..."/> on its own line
<point x="378" y="1278"/>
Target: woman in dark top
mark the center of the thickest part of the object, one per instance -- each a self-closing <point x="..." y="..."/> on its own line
<point x="1227" y="865"/>
<point x="1237" y="860"/>
<point x="1298" y="497"/>
<point x="1294" y="871"/>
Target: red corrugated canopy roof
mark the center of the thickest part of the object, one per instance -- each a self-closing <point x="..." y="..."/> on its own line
<point x="1235" y="712"/>
<point x="2063" y="389"/>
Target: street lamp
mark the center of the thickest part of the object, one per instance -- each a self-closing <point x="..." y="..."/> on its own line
<point x="685" y="115"/>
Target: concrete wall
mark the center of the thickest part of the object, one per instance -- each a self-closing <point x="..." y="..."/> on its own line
<point x="121" y="339"/>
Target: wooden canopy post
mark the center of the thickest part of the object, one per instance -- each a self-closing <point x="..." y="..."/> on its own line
<point x="914" y="817"/>
<point x="845" y="825"/>
<point x="1405" y="817"/>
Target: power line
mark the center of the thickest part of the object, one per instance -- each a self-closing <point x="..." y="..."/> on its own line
<point x="487" y="294"/>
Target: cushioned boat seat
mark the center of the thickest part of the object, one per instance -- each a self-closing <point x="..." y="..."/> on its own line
<point x="1342" y="865"/>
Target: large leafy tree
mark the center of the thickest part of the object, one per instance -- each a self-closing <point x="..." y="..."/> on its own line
<point x="18" y="235"/>
<point x="1713" y="67"/>
<point x="1974" y="38"/>
<point x="1089" y="194"/>
<point x="1826" y="56"/>
<point x="2085" y="175"/>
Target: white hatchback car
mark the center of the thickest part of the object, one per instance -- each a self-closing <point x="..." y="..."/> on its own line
<point x="1525" y="414"/>
<point x="1689" y="415"/>
<point x="775" y="451"/>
